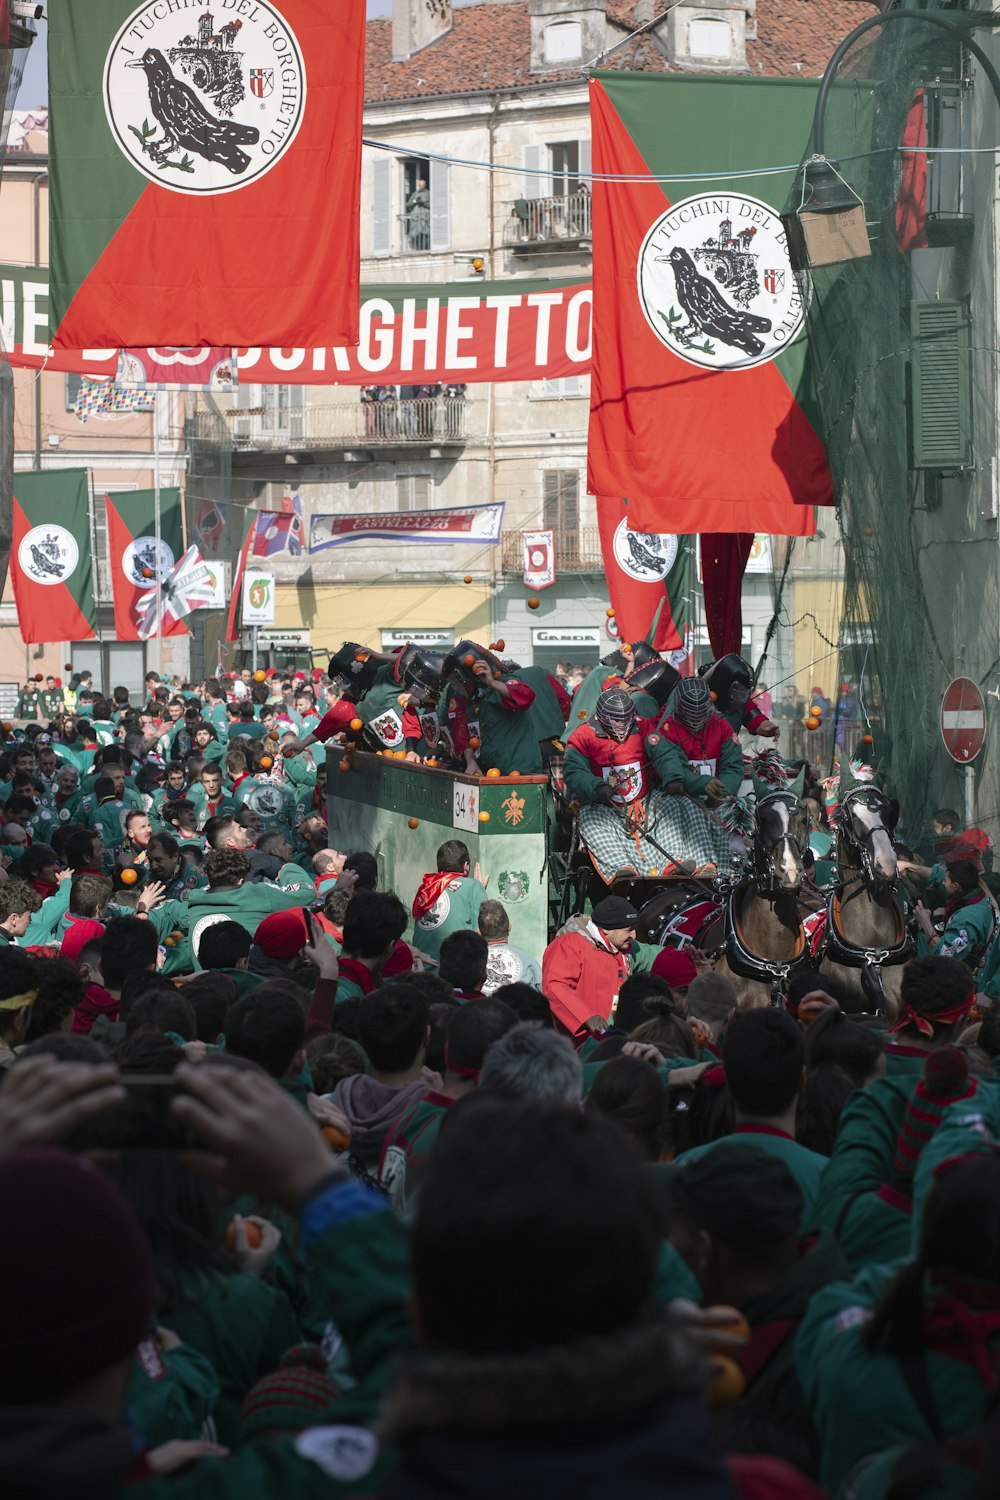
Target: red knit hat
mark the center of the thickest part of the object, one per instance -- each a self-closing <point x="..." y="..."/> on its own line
<point x="297" y="1395"/>
<point x="282" y="934"/>
<point x="675" y="966"/>
<point x="77" y="936"/>
<point x="79" y="1275"/>
<point x="946" y="1078"/>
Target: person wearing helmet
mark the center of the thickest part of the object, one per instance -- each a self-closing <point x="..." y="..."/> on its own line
<point x="618" y="666"/>
<point x="606" y="761"/>
<point x="422" y="673"/>
<point x="387" y="709"/>
<point x="729" y="680"/>
<point x="696" y="752"/>
<point x="491" y="705"/>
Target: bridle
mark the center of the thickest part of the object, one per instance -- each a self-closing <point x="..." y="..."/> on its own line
<point x="762" y="862"/>
<point x="860" y="845"/>
<point x="763" y="878"/>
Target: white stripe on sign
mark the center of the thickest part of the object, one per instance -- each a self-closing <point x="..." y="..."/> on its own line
<point x="964" y="718"/>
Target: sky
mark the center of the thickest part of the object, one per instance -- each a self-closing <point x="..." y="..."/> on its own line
<point x="34" y="88"/>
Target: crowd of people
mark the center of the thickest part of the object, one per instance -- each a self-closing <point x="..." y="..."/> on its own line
<point x="314" y="1188"/>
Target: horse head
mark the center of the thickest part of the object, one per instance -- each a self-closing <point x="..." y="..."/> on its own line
<point x="867" y="820"/>
<point x="781" y="836"/>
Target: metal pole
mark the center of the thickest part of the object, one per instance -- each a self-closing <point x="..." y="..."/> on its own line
<point x="254" y="631"/>
<point x="969" y="788"/>
<point x="156" y="524"/>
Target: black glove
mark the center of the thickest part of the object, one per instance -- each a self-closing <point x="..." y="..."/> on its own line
<point x="674" y="788"/>
<point x="603" y="796"/>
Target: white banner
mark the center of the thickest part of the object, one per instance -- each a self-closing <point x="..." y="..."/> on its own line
<point x="539" y="559"/>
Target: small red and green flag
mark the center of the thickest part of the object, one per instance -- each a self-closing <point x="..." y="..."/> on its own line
<point x="51" y="567"/>
<point x="205" y="166"/>
<point x="648" y="578"/>
<point x="249" y="533"/>
<point x="701" y="409"/>
<point x="132" y="553"/>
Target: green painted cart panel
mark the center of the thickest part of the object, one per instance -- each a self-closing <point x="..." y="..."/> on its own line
<point x="371" y="807"/>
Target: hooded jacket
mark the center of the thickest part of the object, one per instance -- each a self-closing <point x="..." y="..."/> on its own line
<point x="582" y="973"/>
<point x="373" y="1108"/>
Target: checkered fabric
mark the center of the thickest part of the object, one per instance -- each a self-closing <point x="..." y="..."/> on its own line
<point x="678" y="824"/>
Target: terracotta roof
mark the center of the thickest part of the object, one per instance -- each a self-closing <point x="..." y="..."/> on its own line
<point x="489" y="46"/>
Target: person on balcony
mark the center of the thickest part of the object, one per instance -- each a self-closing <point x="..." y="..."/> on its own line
<point x="418" y="218"/>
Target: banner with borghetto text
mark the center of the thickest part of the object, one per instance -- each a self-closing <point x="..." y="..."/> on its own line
<point x="452" y="333"/>
<point x="472" y="523"/>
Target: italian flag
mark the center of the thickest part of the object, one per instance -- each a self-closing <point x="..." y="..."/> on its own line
<point x="51" y="567"/>
<point x="699" y="436"/>
<point x="205" y="163"/>
<point x="131" y="518"/>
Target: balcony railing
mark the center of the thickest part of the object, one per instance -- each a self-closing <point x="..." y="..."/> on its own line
<point x="420" y="422"/>
<point x="576" y="551"/>
<point x="547" y="221"/>
<point x="415" y="232"/>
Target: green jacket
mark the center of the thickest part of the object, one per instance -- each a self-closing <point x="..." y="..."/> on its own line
<point x="380" y="712"/>
<point x="247" y="904"/>
<point x="807" y="1167"/>
<point x="455" y="910"/>
<point x="509" y="736"/>
<point x="545" y="711"/>
<point x="968" y="932"/>
<point x="46" y="922"/>
<point x="172" y="1393"/>
<point x="859" y="1399"/>
<point x="671" y="764"/>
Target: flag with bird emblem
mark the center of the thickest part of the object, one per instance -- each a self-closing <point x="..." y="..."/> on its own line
<point x="205" y="168"/>
<point x="701" y="408"/>
<point x="51" y="557"/>
<point x="649" y="578"/>
<point x="132" y="554"/>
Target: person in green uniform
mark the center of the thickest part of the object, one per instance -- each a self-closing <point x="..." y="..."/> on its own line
<point x="497" y="706"/>
<point x="229" y="896"/>
<point x="107" y="818"/>
<point x="730" y="680"/>
<point x="763" y="1055"/>
<point x="968" y="918"/>
<point x="208" y="796"/>
<point x="29" y="700"/>
<point x="53" y="700"/>
<point x="168" y="866"/>
<point x="620" y="664"/>
<point x="447" y="900"/>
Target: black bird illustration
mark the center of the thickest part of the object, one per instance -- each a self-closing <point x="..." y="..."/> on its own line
<point x="711" y="314"/>
<point x="186" y="122"/>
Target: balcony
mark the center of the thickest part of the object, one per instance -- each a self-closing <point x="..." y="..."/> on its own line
<point x="576" y="551"/>
<point x="538" y="224"/>
<point x="436" y="421"/>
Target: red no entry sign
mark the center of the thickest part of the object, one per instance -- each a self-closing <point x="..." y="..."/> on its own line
<point x="963" y="720"/>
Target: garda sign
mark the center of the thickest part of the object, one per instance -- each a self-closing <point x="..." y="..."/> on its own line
<point x="584" y="635"/>
<point x="963" y="720"/>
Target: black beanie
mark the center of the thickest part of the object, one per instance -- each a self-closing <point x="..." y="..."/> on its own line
<point x="740" y="1194"/>
<point x="614" y="911"/>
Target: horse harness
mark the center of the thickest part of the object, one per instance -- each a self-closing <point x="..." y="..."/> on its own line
<point x="774" y="973"/>
<point x="837" y="947"/>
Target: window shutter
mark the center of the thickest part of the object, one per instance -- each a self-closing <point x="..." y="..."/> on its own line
<point x="381" y="206"/>
<point x="561" y="500"/>
<point x="584" y="149"/>
<point x="534" y="187"/>
<point x="440" y="226"/>
<point x="570" y="500"/>
<point x="941" y="395"/>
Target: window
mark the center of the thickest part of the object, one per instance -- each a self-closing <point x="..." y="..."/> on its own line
<point x="416" y="195"/>
<point x="561" y="500"/>
<point x="707" y="38"/>
<point x="74" y="384"/>
<point x="569" y="385"/>
<point x="565" y="158"/>
<point x="563" y="42"/>
<point x="413" y="491"/>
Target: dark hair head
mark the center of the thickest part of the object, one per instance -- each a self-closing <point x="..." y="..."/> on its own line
<point x="503" y="1176"/>
<point x="216" y="829"/>
<point x="947" y="817"/>
<point x="16" y="898"/>
<point x="332" y="1058"/>
<point x="527" y="1003"/>
<point x="89" y="895"/>
<point x="158" y="1011"/>
<point x="365" y="866"/>
<point x="268" y="1026"/>
<point x="129" y="944"/>
<point x="34" y="860"/>
<point x="804" y="981"/>
<point x="763" y="1055"/>
<point x="472" y="1031"/>
<point x="60" y="990"/>
<point x="166" y="843"/>
<point x="64" y="1046"/>
<point x="635" y="991"/>
<point x="104" y="788"/>
<point x="453" y="855"/>
<point x="80" y="848"/>
<point x="965" y="875"/>
<point x="441" y="1015"/>
<point x="209" y="996"/>
<point x="143" y="982"/>
<point x="392" y="1027"/>
<point x="633" y="1096"/>
<point x="933" y="986"/>
<point x="666" y="1030"/>
<point x="835" y="1041"/>
<point x="226" y="867"/>
<point x="223" y="945"/>
<point x="462" y="960"/>
<point x="494" y="923"/>
<point x="375" y="921"/>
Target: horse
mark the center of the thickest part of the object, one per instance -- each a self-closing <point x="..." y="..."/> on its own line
<point x="866" y="942"/>
<point x="750" y="926"/>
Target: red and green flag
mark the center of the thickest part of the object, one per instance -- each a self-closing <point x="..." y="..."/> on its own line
<point x="132" y="552"/>
<point x="51" y="567"/>
<point x="249" y="533"/>
<point x="701" y="410"/>
<point x="205" y="164"/>
<point x="648" y="578"/>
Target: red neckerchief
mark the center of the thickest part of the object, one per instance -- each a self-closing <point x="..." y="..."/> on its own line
<point x="763" y="1130"/>
<point x="971" y="898"/>
<point x="430" y="890"/>
<point x="925" y="1024"/>
<point x="962" y="1320"/>
<point x="354" y="969"/>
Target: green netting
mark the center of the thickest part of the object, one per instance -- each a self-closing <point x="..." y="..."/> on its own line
<point x="905" y="350"/>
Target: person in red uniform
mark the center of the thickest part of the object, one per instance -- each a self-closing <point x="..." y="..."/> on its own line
<point x="606" y="760"/>
<point x="695" y="752"/>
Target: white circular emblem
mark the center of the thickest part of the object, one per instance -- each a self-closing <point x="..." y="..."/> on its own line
<point x="48" y="554"/>
<point x="139" y="561"/>
<point x="204" y="103"/>
<point x="437" y="913"/>
<point x="645" y="556"/>
<point x="716" y="284"/>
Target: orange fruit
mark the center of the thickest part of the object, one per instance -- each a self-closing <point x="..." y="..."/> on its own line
<point x="514" y="775"/>
<point x="501" y="645"/>
<point x="816" y="711"/>
<point x="610" y="613"/>
<point x="39" y="677"/>
<point x="338" y="1140"/>
<point x="468" y="578"/>
<point x="260" y="675"/>
<point x="484" y="817"/>
<point x="129" y="876"/>
<point x="715" y="696"/>
<point x="253" y="1235"/>
<point x="534" y="603"/>
<point x="413" y="823"/>
<point x="493" y="771"/>
<point x="147" y="573"/>
<point x="581" y="713"/>
<point x="273" y="735"/>
<point x="728" y="1384"/>
<point x="361" y="656"/>
<point x="474" y="742"/>
<point x="867" y="739"/>
<point x="266" y="762"/>
<point x="430" y="761"/>
<point x="812" y="722"/>
<point x="468" y="659"/>
<point x="357" y="724"/>
<point x="344" y="765"/>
